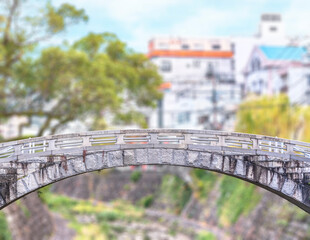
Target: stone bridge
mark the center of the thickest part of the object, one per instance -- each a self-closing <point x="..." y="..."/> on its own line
<point x="279" y="165"/>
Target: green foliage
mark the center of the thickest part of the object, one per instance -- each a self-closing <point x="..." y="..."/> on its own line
<point x="203" y="182"/>
<point x="95" y="76"/>
<point x="135" y="176"/>
<point x="4" y="228"/>
<point x="237" y="198"/>
<point x="104" y="214"/>
<point x="175" y="191"/>
<point x="44" y="193"/>
<point x="274" y="116"/>
<point x="146" y="201"/>
<point x="203" y="235"/>
<point x="173" y="229"/>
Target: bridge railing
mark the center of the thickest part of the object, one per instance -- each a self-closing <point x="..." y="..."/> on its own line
<point x="10" y="151"/>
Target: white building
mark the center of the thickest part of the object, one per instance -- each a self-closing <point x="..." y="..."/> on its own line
<point x="270" y="32"/>
<point x="199" y="87"/>
<point x="10" y="128"/>
<point x="279" y="69"/>
<point x="189" y="99"/>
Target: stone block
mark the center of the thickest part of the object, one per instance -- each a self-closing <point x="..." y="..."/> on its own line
<point x="154" y="156"/>
<point x="205" y="159"/>
<point x="240" y="168"/>
<point x="30" y="182"/>
<point x="192" y="157"/>
<point x="115" y="159"/>
<point x="129" y="157"/>
<point x="94" y="162"/>
<point x="166" y="156"/>
<point x="289" y="187"/>
<point x="78" y="165"/>
<point x="217" y="162"/>
<point x="275" y="182"/>
<point x="179" y="157"/>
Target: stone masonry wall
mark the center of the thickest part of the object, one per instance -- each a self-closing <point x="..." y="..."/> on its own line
<point x="29" y="219"/>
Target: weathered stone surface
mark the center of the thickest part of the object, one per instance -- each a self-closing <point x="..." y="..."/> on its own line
<point x="217" y="162"/>
<point x="205" y="159"/>
<point x="115" y="159"/>
<point x="275" y="182"/>
<point x="166" y="156"/>
<point x="179" y="157"/>
<point x="192" y="157"/>
<point x="240" y="168"/>
<point x="284" y="174"/>
<point x="129" y="156"/>
<point x="289" y="187"/>
<point x="153" y="156"/>
<point x="94" y="161"/>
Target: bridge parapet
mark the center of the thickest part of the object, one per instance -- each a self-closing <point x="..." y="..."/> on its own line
<point x="258" y="144"/>
<point x="279" y="165"/>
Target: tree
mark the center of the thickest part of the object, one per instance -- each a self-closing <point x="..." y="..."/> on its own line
<point x="273" y="116"/>
<point x="94" y="77"/>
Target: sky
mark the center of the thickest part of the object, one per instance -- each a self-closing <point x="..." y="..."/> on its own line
<point x="137" y="21"/>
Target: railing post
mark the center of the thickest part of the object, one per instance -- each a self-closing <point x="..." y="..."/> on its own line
<point x="221" y="141"/>
<point x="120" y="139"/>
<point x="86" y="141"/>
<point x="154" y="139"/>
<point x="188" y="138"/>
<point x="290" y="148"/>
<point x="51" y="145"/>
<point x="255" y="144"/>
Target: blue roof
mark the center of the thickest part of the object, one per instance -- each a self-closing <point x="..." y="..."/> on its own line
<point x="284" y="53"/>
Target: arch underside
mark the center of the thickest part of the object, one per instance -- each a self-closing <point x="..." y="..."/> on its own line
<point x="32" y="173"/>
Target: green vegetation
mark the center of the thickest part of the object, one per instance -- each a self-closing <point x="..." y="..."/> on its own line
<point x="103" y="214"/>
<point x="146" y="201"/>
<point x="4" y="228"/>
<point x="135" y="176"/>
<point x="175" y="192"/>
<point x="237" y="198"/>
<point x="203" y="182"/>
<point x="203" y="235"/>
<point x="174" y="229"/>
<point x="274" y="116"/>
<point x="97" y="73"/>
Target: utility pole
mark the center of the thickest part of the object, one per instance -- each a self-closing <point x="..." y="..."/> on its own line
<point x="211" y="75"/>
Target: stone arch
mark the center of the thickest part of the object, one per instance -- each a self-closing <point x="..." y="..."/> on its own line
<point x="276" y="170"/>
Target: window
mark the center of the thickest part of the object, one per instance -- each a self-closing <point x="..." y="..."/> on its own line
<point x="198" y="46"/>
<point x="233" y="47"/>
<point x="196" y="63"/>
<point x="232" y="93"/>
<point x="216" y="47"/>
<point x="163" y="45"/>
<point x="273" y="29"/>
<point x="260" y="86"/>
<point x="166" y="66"/>
<point x="203" y="119"/>
<point x="184" y="117"/>
<point x="233" y="66"/>
<point x="185" y="46"/>
<point x="255" y="64"/>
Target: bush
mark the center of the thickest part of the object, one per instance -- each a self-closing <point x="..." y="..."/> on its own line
<point x="135" y="176"/>
<point x="108" y="216"/>
<point x="203" y="235"/>
<point x="4" y="229"/>
<point x="146" y="201"/>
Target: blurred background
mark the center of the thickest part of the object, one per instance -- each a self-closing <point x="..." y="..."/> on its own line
<point x="72" y="66"/>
